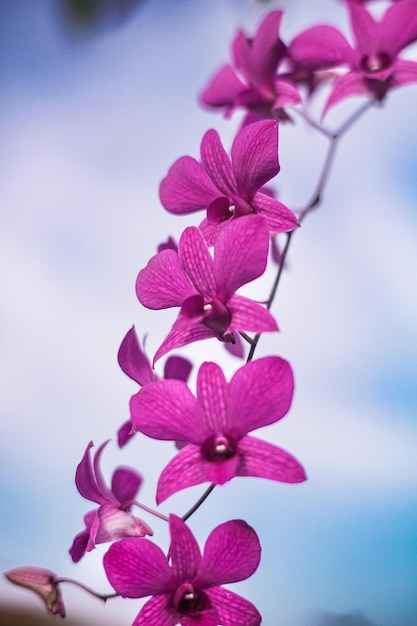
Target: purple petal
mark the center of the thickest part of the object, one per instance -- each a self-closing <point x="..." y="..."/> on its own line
<point x="183" y="332"/>
<point x="163" y="283"/>
<point x="233" y="610"/>
<point x="286" y="94"/>
<point x="125" y="484"/>
<point x="320" y="47"/>
<point x="264" y="460"/>
<point x="365" y="29"/>
<point x="405" y="72"/>
<point x="125" y="433"/>
<point x="351" y="84"/>
<point x="267" y="49"/>
<point x="235" y="348"/>
<point x="196" y="260"/>
<point x="79" y="545"/>
<point x="232" y="553"/>
<point x="168" y="410"/>
<point x="133" y="361"/>
<point x="187" y="188"/>
<point x="260" y="393"/>
<point x="90" y="484"/>
<point x="189" y="468"/>
<point x="184" y="550"/>
<point x="255" y="156"/>
<point x="399" y="26"/>
<point x="278" y="217"/>
<point x="240" y="253"/>
<point x="137" y="568"/>
<point x="212" y="396"/>
<point x="223" y="89"/>
<point x="157" y="611"/>
<point x="217" y="163"/>
<point x="177" y="367"/>
<point x="250" y="316"/>
<point x="116" y="524"/>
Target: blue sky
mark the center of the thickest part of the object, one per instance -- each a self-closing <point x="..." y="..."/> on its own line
<point x="89" y="126"/>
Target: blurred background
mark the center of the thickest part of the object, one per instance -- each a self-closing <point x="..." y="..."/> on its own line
<point x="97" y="100"/>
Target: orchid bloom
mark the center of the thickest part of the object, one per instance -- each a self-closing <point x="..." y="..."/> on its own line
<point x="188" y="590"/>
<point x="261" y="92"/>
<point x="41" y="581"/>
<point x="112" y="519"/>
<point x="228" y="188"/>
<point x="134" y="362"/>
<point x="374" y="66"/>
<point x="205" y="288"/>
<point x="216" y="424"/>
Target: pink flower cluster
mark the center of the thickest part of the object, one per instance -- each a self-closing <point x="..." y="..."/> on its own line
<point x="201" y="277"/>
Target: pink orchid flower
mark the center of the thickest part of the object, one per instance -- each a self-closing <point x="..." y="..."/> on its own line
<point x="134" y="362"/>
<point x="205" y="288"/>
<point x="112" y="520"/>
<point x="41" y="581"/>
<point x="228" y="188"/>
<point x="216" y="424"/>
<point x="188" y="590"/>
<point x="253" y="82"/>
<point x="373" y="63"/>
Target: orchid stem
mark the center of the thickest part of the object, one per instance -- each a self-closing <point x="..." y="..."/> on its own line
<point x="198" y="503"/>
<point x="147" y="509"/>
<point x="100" y="596"/>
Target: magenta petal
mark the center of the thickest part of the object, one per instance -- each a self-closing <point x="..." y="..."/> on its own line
<point x="365" y="29"/>
<point x="399" y="26"/>
<point x="79" y="545"/>
<point x="267" y="49"/>
<point x="137" y="568"/>
<point x="255" y="156"/>
<point x="320" y="47"/>
<point x="163" y="283"/>
<point x="351" y="84"/>
<point x="125" y="484"/>
<point x="184" y="550"/>
<point x="168" y="410"/>
<point x="271" y="385"/>
<point x="232" y="553"/>
<point x="86" y="478"/>
<point x="125" y="433"/>
<point x="240" y="253"/>
<point x="182" y="333"/>
<point x="233" y="610"/>
<point x="116" y="524"/>
<point x="279" y="217"/>
<point x="177" y="367"/>
<point x="133" y="361"/>
<point x="250" y="316"/>
<point x="189" y="468"/>
<point x="157" y="611"/>
<point x="286" y="94"/>
<point x="212" y="396"/>
<point x="196" y="259"/>
<point x="405" y="72"/>
<point x="217" y="163"/>
<point x="223" y="89"/>
<point x="187" y="188"/>
<point x="264" y="460"/>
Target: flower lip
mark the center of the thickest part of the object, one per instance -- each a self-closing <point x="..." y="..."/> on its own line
<point x="189" y="599"/>
<point x="219" y="448"/>
<point x="217" y="317"/>
<point x="374" y="63"/>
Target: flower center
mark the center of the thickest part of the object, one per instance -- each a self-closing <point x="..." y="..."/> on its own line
<point x="217" y="317"/>
<point x="188" y="599"/>
<point x="377" y="62"/>
<point x="219" y="448"/>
